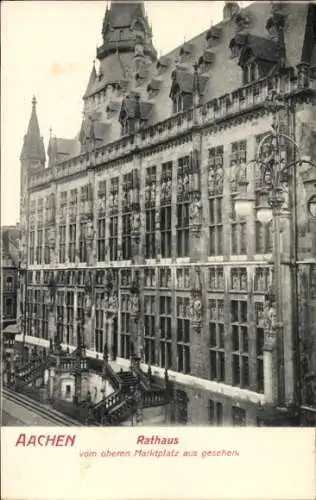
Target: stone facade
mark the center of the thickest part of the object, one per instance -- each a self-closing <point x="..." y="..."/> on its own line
<point x="134" y="241"/>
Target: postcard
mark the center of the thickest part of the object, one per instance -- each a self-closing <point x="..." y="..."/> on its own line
<point x="158" y="239"/>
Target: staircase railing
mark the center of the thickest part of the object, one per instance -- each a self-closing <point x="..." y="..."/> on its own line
<point x="154" y="397"/>
<point x="143" y="378"/>
<point x="112" y="377"/>
<point x="102" y="408"/>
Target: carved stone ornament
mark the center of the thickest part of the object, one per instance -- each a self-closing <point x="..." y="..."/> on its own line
<point x="196" y="307"/>
<point x="195" y="214"/>
<point x="52" y="238"/>
<point x="136" y="222"/>
<point x="89" y="233"/>
<point x="113" y="302"/>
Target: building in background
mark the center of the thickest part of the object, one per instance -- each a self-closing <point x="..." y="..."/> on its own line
<point x="129" y="234"/>
<point x="9" y="274"/>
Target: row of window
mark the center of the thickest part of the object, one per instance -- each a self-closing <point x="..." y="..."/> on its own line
<point x="237" y="278"/>
<point x="225" y="347"/>
<point x="158" y="235"/>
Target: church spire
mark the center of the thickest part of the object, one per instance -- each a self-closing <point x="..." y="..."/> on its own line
<point x="33" y="147"/>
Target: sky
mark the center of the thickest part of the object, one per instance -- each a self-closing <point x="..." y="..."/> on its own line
<point x="47" y="50"/>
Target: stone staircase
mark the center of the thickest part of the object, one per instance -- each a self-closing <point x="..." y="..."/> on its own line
<point x="30" y="373"/>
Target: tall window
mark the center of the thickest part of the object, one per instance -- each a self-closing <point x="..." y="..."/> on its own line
<point x="215" y="192"/>
<point x="183" y="203"/>
<point x="72" y="242"/>
<point x="70" y="317"/>
<point x="240" y="347"/>
<point x="177" y="103"/>
<point x="37" y="313"/>
<point x="73" y="205"/>
<point x="125" y="323"/>
<point x="40" y="212"/>
<point x="80" y="318"/>
<point x="82" y="243"/>
<point x="62" y="243"/>
<point x="216" y="278"/>
<point x="101" y="237"/>
<point x="150" y="329"/>
<point x="165" y="209"/>
<point x="165" y="315"/>
<point x="150" y="202"/>
<point x="32" y="245"/>
<point x="99" y="323"/>
<point x="238" y="167"/>
<point x="183" y="334"/>
<point x="127" y="215"/>
<point x="60" y="315"/>
<point x="46" y="247"/>
<point x="216" y="340"/>
<point x="63" y="205"/>
<point x="44" y="315"/>
<point x="215" y="413"/>
<point x="39" y="249"/>
<point x="113" y="209"/>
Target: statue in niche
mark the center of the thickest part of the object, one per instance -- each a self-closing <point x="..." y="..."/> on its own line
<point x="153" y="192"/>
<point x="157" y="219"/>
<point x="163" y="190"/>
<point x="180" y="189"/>
<point x="134" y="304"/>
<point x="169" y="189"/>
<point x="111" y="200"/>
<point x="195" y="210"/>
<point x="185" y="183"/>
<point x="196" y="309"/>
<point x="89" y="230"/>
<point x="135" y="222"/>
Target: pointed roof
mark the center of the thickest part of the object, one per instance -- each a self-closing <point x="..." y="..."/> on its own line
<point x="33" y="146"/>
<point x="121" y="15"/>
<point x="92" y="80"/>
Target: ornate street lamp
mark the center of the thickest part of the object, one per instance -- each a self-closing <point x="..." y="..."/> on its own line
<point x="275" y="172"/>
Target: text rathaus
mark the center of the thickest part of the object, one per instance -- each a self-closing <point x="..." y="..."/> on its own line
<point x="131" y="247"/>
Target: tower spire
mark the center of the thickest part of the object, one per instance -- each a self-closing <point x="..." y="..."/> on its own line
<point x="33" y="147"/>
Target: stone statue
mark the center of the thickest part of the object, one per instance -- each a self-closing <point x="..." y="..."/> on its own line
<point x="196" y="309"/>
<point x="89" y="230"/>
<point x="195" y="210"/>
<point x="136" y="222"/>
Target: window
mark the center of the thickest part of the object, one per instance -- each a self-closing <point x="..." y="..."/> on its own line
<point x="150" y="213"/>
<point x="240" y="348"/>
<point x="165" y="209"/>
<point x="46" y="247"/>
<point x="183" y="279"/>
<point x="215" y="413"/>
<point x="62" y="243"/>
<point x="238" y="416"/>
<point x="37" y="313"/>
<point x="127" y="214"/>
<point x="60" y="315"/>
<point x="9" y="308"/>
<point x="70" y="318"/>
<point x="63" y="205"/>
<point x="99" y="323"/>
<point x="183" y="203"/>
<point x="150" y="278"/>
<point x="262" y="279"/>
<point x="44" y="315"/>
<point x="31" y="247"/>
<point x="238" y="174"/>
<point x="238" y="279"/>
<point x="113" y="225"/>
<point x="68" y="390"/>
<point x="9" y="283"/>
<point x="82" y="243"/>
<point x="215" y="192"/>
<point x="73" y="205"/>
<point x="165" y="277"/>
<point x="101" y="237"/>
<point x="150" y="329"/>
<point x="181" y="400"/>
<point x="165" y="315"/>
<point x="216" y="340"/>
<point x="250" y="72"/>
<point x="40" y="207"/>
<point x="80" y="318"/>
<point x="183" y="334"/>
<point x="216" y="278"/>
<point x="39" y="248"/>
<point x="125" y="324"/>
<point x="72" y="242"/>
